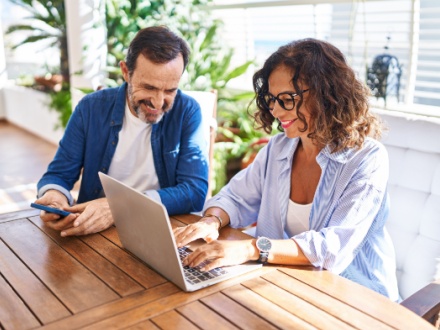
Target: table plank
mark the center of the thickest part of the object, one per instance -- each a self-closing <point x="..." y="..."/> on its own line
<point x="170" y="302"/>
<point x="173" y="320"/>
<point x="113" y="276"/>
<point x="324" y="302"/>
<point x="112" y="309"/>
<point x="64" y="272"/>
<point x="38" y="298"/>
<point x="235" y="313"/>
<point x="73" y="284"/>
<point x="13" y="312"/>
<point x="261" y="306"/>
<point x="204" y="317"/>
<point x="123" y="259"/>
<point x="295" y="305"/>
<point x="144" y="325"/>
<point x="365" y="300"/>
<point x="23" y="214"/>
<point x="112" y="235"/>
<point x="185" y="219"/>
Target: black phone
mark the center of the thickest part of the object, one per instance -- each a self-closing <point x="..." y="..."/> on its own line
<point x="50" y="209"/>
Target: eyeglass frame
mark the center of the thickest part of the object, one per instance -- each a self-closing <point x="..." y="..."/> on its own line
<point x="281" y="102"/>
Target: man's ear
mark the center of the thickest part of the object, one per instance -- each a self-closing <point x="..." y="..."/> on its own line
<point x="124" y="70"/>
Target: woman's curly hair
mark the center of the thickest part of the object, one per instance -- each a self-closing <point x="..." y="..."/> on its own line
<point x="337" y="100"/>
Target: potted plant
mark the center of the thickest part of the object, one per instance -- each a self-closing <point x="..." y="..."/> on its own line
<point x="47" y="25"/>
<point x="238" y="139"/>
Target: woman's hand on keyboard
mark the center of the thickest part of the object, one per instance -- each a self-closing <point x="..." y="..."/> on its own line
<point x="206" y="229"/>
<point x="221" y="253"/>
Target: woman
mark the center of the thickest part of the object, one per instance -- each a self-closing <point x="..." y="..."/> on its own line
<point x="318" y="191"/>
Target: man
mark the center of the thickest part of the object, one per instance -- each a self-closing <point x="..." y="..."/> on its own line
<point x="146" y="133"/>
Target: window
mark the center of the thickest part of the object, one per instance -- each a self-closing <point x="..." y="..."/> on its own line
<point x="406" y="29"/>
<point x="427" y="77"/>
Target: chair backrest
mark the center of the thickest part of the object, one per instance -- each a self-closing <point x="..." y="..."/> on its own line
<point x="413" y="144"/>
<point x="208" y="104"/>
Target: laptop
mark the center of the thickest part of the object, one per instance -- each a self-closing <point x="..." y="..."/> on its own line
<point x="145" y="230"/>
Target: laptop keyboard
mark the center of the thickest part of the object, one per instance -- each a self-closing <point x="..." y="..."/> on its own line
<point x="194" y="275"/>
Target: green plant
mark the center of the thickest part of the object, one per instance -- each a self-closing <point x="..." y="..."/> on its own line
<point x="123" y="20"/>
<point x="47" y="23"/>
<point x="210" y="63"/>
<point x="209" y="66"/>
<point x="238" y="139"/>
<point x="61" y="102"/>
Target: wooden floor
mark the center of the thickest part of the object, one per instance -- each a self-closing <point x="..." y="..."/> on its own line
<point x="23" y="160"/>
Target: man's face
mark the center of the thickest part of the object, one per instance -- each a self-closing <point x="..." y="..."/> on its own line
<point x="152" y="87"/>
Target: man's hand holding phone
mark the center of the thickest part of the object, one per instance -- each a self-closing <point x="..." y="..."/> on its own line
<point x="55" y="200"/>
<point x="85" y="218"/>
<point x="50" y="209"/>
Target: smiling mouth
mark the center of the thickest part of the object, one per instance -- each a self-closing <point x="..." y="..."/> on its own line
<point x="287" y="123"/>
<point x="147" y="106"/>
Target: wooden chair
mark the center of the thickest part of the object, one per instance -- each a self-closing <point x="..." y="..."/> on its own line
<point x="208" y="104"/>
<point x="426" y="303"/>
<point x="413" y="144"/>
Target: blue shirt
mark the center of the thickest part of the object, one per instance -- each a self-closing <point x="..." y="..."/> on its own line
<point x="349" y="210"/>
<point x="179" y="149"/>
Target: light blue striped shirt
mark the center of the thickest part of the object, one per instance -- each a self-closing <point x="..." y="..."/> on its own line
<point x="349" y="210"/>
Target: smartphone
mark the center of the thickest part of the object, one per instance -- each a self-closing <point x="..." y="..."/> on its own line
<point x="50" y="209"/>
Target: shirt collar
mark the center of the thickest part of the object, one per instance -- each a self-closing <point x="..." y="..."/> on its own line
<point x="119" y="108"/>
<point x="341" y="156"/>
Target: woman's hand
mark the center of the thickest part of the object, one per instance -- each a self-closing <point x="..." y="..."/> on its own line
<point x="221" y="253"/>
<point x="207" y="228"/>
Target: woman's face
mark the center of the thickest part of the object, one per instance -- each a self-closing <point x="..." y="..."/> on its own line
<point x="280" y="81"/>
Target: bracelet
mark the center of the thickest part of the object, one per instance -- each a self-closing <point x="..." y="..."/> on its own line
<point x="215" y="216"/>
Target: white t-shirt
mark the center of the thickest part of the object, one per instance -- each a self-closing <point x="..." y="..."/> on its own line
<point x="297" y="218"/>
<point x="133" y="161"/>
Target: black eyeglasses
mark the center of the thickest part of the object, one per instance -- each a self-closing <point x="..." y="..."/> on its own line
<point x="285" y="99"/>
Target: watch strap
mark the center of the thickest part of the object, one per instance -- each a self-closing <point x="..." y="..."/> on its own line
<point x="263" y="257"/>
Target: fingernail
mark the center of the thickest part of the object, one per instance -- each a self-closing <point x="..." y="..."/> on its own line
<point x="63" y="234"/>
<point x="75" y="224"/>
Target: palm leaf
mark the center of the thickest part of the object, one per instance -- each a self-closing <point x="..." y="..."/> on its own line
<point x="238" y="71"/>
<point x="30" y="39"/>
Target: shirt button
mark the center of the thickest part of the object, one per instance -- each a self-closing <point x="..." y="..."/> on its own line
<point x="113" y="142"/>
<point x="103" y="169"/>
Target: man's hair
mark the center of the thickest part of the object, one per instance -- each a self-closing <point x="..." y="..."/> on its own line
<point x="337" y="100"/>
<point x="158" y="44"/>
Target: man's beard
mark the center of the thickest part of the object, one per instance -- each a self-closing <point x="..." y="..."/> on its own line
<point x="146" y="117"/>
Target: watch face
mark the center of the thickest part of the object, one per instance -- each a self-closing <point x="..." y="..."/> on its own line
<point x="264" y="244"/>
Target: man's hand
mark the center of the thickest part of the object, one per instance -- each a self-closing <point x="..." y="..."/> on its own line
<point x="56" y="199"/>
<point x="95" y="216"/>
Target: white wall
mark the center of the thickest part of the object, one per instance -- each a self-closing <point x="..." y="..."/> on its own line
<point x="29" y="109"/>
<point x="86" y="34"/>
<point x="3" y="74"/>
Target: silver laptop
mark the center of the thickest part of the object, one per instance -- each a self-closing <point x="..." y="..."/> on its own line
<point x="145" y="230"/>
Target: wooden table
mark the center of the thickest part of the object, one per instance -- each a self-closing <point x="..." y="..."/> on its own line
<point x="91" y="282"/>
